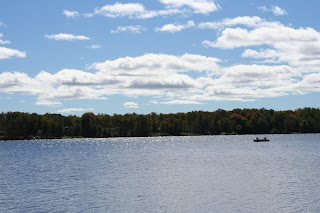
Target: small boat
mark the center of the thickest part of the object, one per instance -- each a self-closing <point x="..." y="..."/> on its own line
<point x="261" y="140"/>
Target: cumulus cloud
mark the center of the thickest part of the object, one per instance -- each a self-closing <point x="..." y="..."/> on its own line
<point x="297" y="47"/>
<point x="173" y="28"/>
<point x="6" y="53"/>
<point x="309" y="83"/>
<point x="66" y="37"/>
<point x="248" y="21"/>
<point x="167" y="79"/>
<point x="262" y="53"/>
<point x="138" y="10"/>
<point x="70" y="14"/>
<point x="71" y="84"/>
<point x="148" y="75"/>
<point x="21" y="83"/>
<point x="158" y="64"/>
<point x="120" y="10"/>
<point x="237" y="37"/>
<point x="258" y="75"/>
<point x="276" y="10"/>
<point x="74" y="110"/>
<point x="297" y="51"/>
<point x="137" y="29"/>
<point x="198" y="6"/>
<point x="130" y="10"/>
<point x="245" y="93"/>
<point x="131" y="105"/>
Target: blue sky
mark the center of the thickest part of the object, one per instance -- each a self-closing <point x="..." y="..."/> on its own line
<point x="161" y="56"/>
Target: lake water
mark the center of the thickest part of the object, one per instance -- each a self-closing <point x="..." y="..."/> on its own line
<point x="163" y="174"/>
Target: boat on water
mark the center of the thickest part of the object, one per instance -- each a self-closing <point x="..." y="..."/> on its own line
<point x="261" y="140"/>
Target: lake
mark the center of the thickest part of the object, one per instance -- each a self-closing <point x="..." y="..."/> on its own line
<point x="162" y="174"/>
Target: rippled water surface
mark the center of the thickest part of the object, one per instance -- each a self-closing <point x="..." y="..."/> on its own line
<point x="165" y="174"/>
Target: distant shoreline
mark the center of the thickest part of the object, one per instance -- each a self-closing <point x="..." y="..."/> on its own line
<point x="22" y="126"/>
<point x="61" y="138"/>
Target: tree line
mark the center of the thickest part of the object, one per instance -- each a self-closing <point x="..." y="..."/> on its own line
<point x="19" y="125"/>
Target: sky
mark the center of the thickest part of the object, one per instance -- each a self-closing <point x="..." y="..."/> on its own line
<point x="163" y="56"/>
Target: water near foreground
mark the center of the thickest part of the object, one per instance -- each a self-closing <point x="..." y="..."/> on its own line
<point x="165" y="174"/>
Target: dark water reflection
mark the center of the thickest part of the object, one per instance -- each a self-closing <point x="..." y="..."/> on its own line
<point x="169" y="174"/>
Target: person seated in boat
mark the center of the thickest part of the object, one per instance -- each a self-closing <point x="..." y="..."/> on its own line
<point x="265" y="138"/>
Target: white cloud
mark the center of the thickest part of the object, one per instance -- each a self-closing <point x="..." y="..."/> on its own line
<point x="72" y="77"/>
<point x="74" y="110"/>
<point x="3" y="41"/>
<point x="66" y="37"/>
<point x="245" y="93"/>
<point x="94" y="46"/>
<point x="158" y="64"/>
<point x="70" y="14"/>
<point x="309" y="83"/>
<point x="20" y="83"/>
<point x="73" y="93"/>
<point x="276" y="10"/>
<point x="180" y="102"/>
<point x="71" y="84"/>
<point x="120" y="10"/>
<point x="131" y="105"/>
<point x="155" y="74"/>
<point x="137" y="29"/>
<point x="248" y="21"/>
<point x="168" y="79"/>
<point x="238" y="37"/>
<point x="6" y="53"/>
<point x="130" y="10"/>
<point x="50" y="103"/>
<point x="172" y="28"/>
<point x="263" y="8"/>
<point x="198" y="6"/>
<point x="263" y="53"/>
<point x="298" y="50"/>
<point x="172" y="7"/>
<point x="148" y="75"/>
<point x="297" y="47"/>
<point x="258" y="75"/>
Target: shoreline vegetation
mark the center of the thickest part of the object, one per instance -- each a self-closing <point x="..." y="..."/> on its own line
<point x="21" y="126"/>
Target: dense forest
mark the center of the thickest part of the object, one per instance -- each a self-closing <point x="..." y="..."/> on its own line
<point x="18" y="125"/>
